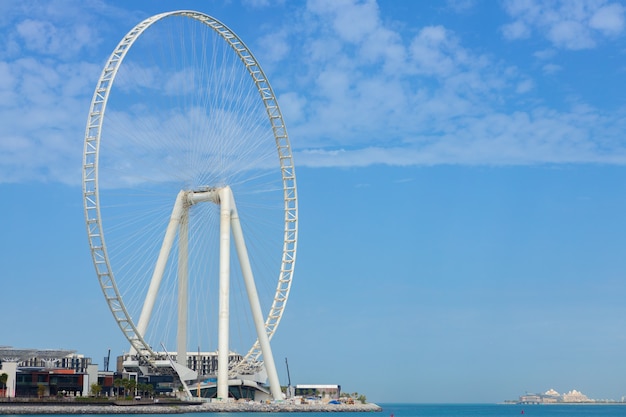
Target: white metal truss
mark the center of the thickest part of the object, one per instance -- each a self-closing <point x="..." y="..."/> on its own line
<point x="91" y="202"/>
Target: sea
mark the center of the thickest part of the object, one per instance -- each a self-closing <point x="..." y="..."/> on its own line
<point x="430" y="410"/>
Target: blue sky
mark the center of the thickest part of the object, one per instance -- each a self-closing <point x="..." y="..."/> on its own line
<point x="461" y="177"/>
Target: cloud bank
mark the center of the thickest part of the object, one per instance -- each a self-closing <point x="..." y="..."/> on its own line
<point x="358" y="84"/>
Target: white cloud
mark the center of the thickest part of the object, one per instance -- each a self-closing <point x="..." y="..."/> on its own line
<point x="461" y="6"/>
<point x="567" y="24"/>
<point x="44" y="94"/>
<point x="525" y="86"/>
<point x="262" y="3"/>
<point x="357" y="94"/>
<point x="383" y="45"/>
<point x="46" y="38"/>
<point x="495" y="139"/>
<point x="551" y="68"/>
<point x="516" y="30"/>
<point x="608" y="19"/>
<point x="570" y="35"/>
<point x="292" y="106"/>
<point x="351" y="20"/>
<point x="545" y="54"/>
<point x="257" y="3"/>
<point x="430" y="52"/>
<point x="445" y="103"/>
<point x="36" y="34"/>
<point x="7" y="79"/>
<point x="276" y="47"/>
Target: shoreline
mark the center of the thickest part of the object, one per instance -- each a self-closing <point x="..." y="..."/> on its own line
<point x="179" y="408"/>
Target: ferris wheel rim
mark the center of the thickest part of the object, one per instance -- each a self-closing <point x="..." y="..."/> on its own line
<point x="90" y="180"/>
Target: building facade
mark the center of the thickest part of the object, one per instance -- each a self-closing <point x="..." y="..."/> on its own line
<point x="44" y="373"/>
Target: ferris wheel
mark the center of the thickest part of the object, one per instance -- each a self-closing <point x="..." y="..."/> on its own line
<point x="189" y="193"/>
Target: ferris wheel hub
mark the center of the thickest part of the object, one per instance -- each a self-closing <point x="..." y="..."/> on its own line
<point x="203" y="194"/>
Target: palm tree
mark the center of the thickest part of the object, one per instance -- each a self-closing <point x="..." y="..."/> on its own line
<point x="142" y="388"/>
<point x="132" y="386"/>
<point x="117" y="383"/>
<point x="145" y="388"/>
<point x="126" y="385"/>
<point x="149" y="389"/>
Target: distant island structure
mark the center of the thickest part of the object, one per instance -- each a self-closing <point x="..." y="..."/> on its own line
<point x="553" y="397"/>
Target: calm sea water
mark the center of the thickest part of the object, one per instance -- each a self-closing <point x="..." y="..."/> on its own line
<point x="432" y="410"/>
<point x="502" y="410"/>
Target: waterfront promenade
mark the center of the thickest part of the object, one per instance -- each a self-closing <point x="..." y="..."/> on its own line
<point x="173" y="408"/>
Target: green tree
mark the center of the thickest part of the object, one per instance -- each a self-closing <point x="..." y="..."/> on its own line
<point x="149" y="389"/>
<point x="117" y="384"/>
<point x="126" y="386"/>
<point x="132" y="386"/>
<point x="4" y="377"/>
<point x="96" y="389"/>
<point x="145" y="389"/>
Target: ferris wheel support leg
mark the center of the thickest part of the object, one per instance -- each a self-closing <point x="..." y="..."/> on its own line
<point x="159" y="268"/>
<point x="183" y="250"/>
<point x="255" y="305"/>
<point x="224" y="293"/>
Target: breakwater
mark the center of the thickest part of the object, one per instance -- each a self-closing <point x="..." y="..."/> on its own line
<point x="173" y="408"/>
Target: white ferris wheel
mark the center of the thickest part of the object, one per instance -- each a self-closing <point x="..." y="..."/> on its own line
<point x="189" y="194"/>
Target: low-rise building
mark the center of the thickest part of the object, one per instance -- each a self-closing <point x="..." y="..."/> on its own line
<point x="46" y="372"/>
<point x="320" y="391"/>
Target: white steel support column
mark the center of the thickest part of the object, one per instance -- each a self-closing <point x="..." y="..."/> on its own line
<point x="164" y="254"/>
<point x="224" y="293"/>
<point x="255" y="304"/>
<point x="183" y="276"/>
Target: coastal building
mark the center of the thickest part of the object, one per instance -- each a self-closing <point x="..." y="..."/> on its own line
<point x="202" y="382"/>
<point x="321" y="391"/>
<point x="204" y="363"/>
<point x="32" y="373"/>
<point x="552" y="397"/>
<point x="575" y="397"/>
<point x="45" y="372"/>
